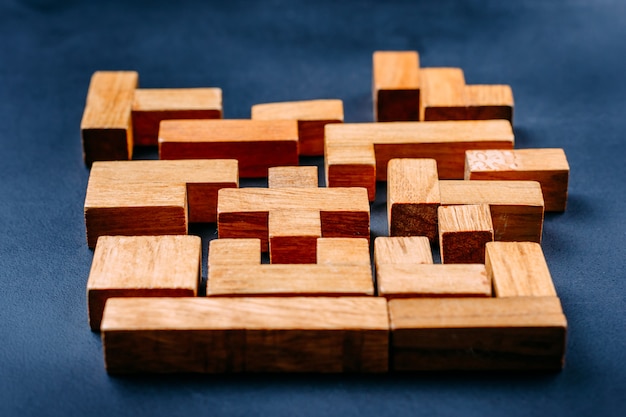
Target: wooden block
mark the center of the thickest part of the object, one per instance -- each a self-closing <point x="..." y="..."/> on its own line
<point x="521" y="333"/>
<point x="216" y="335"/>
<point x="413" y="197"/>
<point x="353" y="149"/>
<point x="151" y="106"/>
<point x="516" y="206"/>
<point x="402" y="250"/>
<point x="106" y="124"/>
<point x="292" y="177"/>
<point x="142" y="266"/>
<point x="487" y="102"/>
<point x="463" y="232"/>
<point x="432" y="280"/>
<point x="518" y="269"/>
<point x="547" y="166"/>
<point x="234" y="251"/>
<point x="256" y="144"/>
<point x="311" y="115"/>
<point x="396" y="86"/>
<point x="293" y="236"/>
<point x="343" y="251"/>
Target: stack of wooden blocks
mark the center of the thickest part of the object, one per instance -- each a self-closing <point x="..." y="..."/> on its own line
<point x="454" y="179"/>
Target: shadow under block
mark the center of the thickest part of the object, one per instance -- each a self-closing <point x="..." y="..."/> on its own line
<point x="402" y="250"/>
<point x="256" y="144"/>
<point x="142" y="266"/>
<point x="292" y="177"/>
<point x="106" y="126"/>
<point x="218" y="335"/>
<point x="464" y="230"/>
<point x="357" y="154"/>
<point x="413" y="197"/>
<point x="547" y="166"/>
<point x="518" y="269"/>
<point x="519" y="333"/>
<point x="151" y="106"/>
<point x="396" y="86"/>
<point x="311" y="115"/>
<point x="244" y="212"/>
<point x="154" y="197"/>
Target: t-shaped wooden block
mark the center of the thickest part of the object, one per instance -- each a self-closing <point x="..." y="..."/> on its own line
<point x="395" y="86"/>
<point x="463" y="232"/>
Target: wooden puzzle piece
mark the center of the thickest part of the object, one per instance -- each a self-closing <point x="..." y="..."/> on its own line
<point x="518" y="333"/>
<point x="396" y="86"/>
<point x="463" y="232"/>
<point x="311" y="115"/>
<point x="256" y="144"/>
<point x="402" y="250"/>
<point x="293" y="236"/>
<point x="216" y="335"/>
<point x="547" y="166"/>
<point x="154" y="197"/>
<point x="142" y="266"/>
<point x="357" y="154"/>
<point x="106" y="126"/>
<point x="151" y="106"/>
<point x="292" y="177"/>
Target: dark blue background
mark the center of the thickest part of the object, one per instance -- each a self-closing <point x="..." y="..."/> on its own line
<point x="566" y="62"/>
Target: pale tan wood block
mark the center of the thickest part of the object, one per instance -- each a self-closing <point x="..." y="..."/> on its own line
<point x="343" y="251"/>
<point x="402" y="250"/>
<point x="234" y="252"/>
<point x="413" y="197"/>
<point x="432" y="280"/>
<point x="487" y="102"/>
<point x="518" y="269"/>
<point x="292" y="177"/>
<point x="153" y="105"/>
<point x="106" y="124"/>
<point x="216" y="335"/>
<point x="516" y="206"/>
<point x="396" y="85"/>
<point x="256" y="144"/>
<point x="521" y="333"/>
<point x="312" y="117"/>
<point x="142" y="266"/>
<point x="443" y="94"/>
<point x="293" y="236"/>
<point x="350" y="164"/>
<point x="463" y="232"/>
<point x="547" y="166"/>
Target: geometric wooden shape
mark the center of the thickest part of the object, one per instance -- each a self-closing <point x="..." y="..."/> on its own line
<point x="396" y="86"/>
<point x="547" y="166"/>
<point x="402" y="250"/>
<point x="217" y="335"/>
<point x="292" y="177"/>
<point x="256" y="144"/>
<point x="293" y="236"/>
<point x="343" y="251"/>
<point x="518" y="269"/>
<point x="312" y="116"/>
<point x="151" y="106"/>
<point x="106" y="124"/>
<point x="487" y="102"/>
<point x="142" y="266"/>
<point x="463" y="232"/>
<point x="234" y="251"/>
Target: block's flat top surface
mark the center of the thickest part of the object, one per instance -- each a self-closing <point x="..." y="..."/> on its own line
<point x="330" y="109"/>
<point x="465" y="218"/>
<point x="526" y="193"/>
<point x="109" y="100"/>
<point x="402" y="250"/>
<point x="151" y="99"/>
<point x="488" y="95"/>
<point x="396" y="70"/>
<point x="443" y="87"/>
<point x="228" y="130"/>
<point x="541" y="159"/>
<point x="112" y="194"/>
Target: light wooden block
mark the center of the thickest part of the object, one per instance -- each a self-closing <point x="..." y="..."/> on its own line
<point x="521" y="333"/>
<point x="396" y="86"/>
<point x="464" y="230"/>
<point x="547" y="166"/>
<point x="311" y="115"/>
<point x="217" y="335"/>
<point x="292" y="177"/>
<point x="357" y="154"/>
<point x="234" y="251"/>
<point x="151" y="106"/>
<point x="293" y="236"/>
<point x="413" y="197"/>
<point x="487" y="102"/>
<point x="343" y="251"/>
<point x="518" y="269"/>
<point x="142" y="266"/>
<point x="402" y="250"/>
<point x="256" y="144"/>
<point x="106" y="128"/>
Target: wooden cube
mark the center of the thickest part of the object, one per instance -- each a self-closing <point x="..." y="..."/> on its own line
<point x="396" y="86"/>
<point x="463" y="232"/>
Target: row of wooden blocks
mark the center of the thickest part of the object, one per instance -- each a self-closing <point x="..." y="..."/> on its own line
<point x="142" y="295"/>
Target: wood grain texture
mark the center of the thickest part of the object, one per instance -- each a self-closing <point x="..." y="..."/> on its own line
<point x="256" y="144"/>
<point x="402" y="250"/>
<point x="106" y="124"/>
<point x="521" y="333"/>
<point x="234" y="251"/>
<point x="293" y="236"/>
<point x="292" y="177"/>
<point x="395" y="86"/>
<point x="312" y="116"/>
<point x="547" y="166"/>
<point x="153" y="105"/>
<point x="142" y="266"/>
<point x="343" y="251"/>
<point x="463" y="232"/>
<point x="486" y="102"/>
<point x="518" y="269"/>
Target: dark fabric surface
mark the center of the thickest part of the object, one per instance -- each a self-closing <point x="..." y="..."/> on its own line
<point x="565" y="61"/>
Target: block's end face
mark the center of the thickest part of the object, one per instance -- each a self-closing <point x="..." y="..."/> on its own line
<point x="397" y="105"/>
<point x="311" y="136"/>
<point x="414" y="220"/>
<point x="106" y="145"/>
<point x="293" y="249"/>
<point x="464" y="247"/>
<point x="250" y="225"/>
<point x="346" y="224"/>
<point x="353" y="175"/>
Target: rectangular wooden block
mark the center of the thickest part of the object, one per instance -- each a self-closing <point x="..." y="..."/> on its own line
<point x="142" y="266"/>
<point x="292" y="177"/>
<point x="312" y="116"/>
<point x="521" y="333"/>
<point x="293" y="236"/>
<point x="547" y="166"/>
<point x="106" y="124"/>
<point x="463" y="232"/>
<point x="256" y="144"/>
<point x="486" y="102"/>
<point x="234" y="252"/>
<point x="402" y="250"/>
<point x="343" y="251"/>
<point x="216" y="335"/>
<point x="153" y="105"/>
<point x="396" y="86"/>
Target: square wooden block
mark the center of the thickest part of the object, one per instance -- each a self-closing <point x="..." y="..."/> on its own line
<point x="463" y="232"/>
